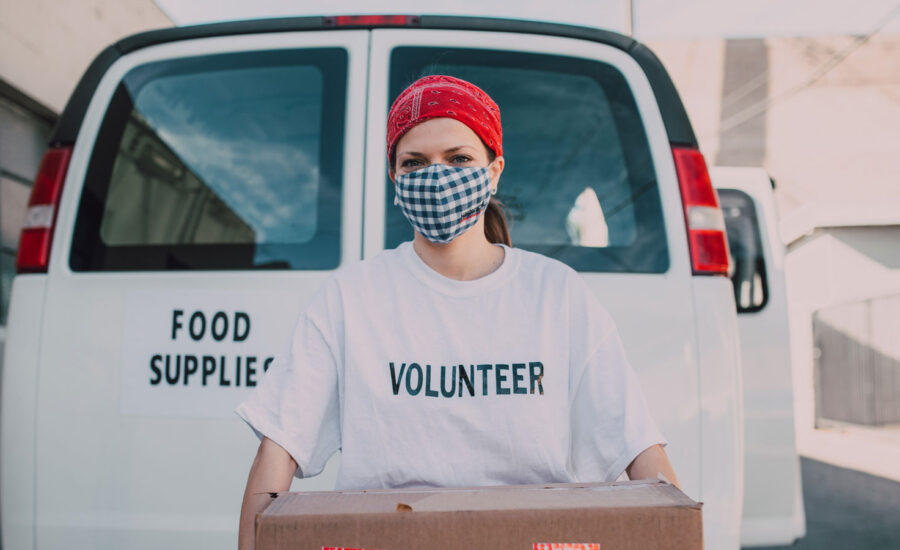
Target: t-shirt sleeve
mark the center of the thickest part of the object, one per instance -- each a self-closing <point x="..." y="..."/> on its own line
<point x="611" y="422"/>
<point x="297" y="403"/>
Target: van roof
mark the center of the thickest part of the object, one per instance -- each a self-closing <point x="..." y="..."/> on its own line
<point x="677" y="124"/>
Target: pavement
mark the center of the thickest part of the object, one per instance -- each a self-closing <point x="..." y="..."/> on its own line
<point x="847" y="510"/>
<point x="851" y="488"/>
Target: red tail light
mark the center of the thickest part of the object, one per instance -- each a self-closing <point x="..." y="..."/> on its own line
<point x="371" y="20"/>
<point x="702" y="213"/>
<point x="37" y="232"/>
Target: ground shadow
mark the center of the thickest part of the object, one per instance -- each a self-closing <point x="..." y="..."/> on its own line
<point x="847" y="509"/>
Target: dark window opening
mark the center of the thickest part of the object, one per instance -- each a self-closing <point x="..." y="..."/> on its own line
<point x="751" y="291"/>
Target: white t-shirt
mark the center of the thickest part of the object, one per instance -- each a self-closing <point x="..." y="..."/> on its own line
<point x="420" y="380"/>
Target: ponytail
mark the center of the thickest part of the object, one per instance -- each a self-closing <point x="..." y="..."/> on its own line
<point x="495" y="225"/>
<point x="496" y="228"/>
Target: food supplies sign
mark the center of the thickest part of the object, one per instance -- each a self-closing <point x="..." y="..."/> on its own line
<point x="199" y="354"/>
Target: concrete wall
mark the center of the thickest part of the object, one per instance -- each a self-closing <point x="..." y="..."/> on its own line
<point x="697" y="67"/>
<point x="45" y="45"/>
<point x="23" y="138"/>
<point x="821" y="114"/>
<point x="835" y="267"/>
<point x="857" y="362"/>
<point x="835" y="140"/>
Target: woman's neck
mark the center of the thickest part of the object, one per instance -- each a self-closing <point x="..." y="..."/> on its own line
<point x="467" y="257"/>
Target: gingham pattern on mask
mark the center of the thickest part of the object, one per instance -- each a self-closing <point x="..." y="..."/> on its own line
<point x="443" y="201"/>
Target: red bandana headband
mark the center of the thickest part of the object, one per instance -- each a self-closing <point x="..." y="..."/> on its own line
<point x="445" y="96"/>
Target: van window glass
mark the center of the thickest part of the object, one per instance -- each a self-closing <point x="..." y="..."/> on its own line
<point x="579" y="182"/>
<point x="751" y="290"/>
<point x="230" y="161"/>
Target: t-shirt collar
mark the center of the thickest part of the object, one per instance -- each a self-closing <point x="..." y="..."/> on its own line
<point x="453" y="287"/>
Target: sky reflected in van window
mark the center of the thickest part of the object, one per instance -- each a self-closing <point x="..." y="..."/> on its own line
<point x="252" y="136"/>
<point x="226" y="161"/>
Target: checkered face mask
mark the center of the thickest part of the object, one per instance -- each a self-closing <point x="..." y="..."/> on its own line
<point x="442" y="201"/>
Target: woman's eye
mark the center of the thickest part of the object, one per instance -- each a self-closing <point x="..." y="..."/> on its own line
<point x="461" y="159"/>
<point x="408" y="163"/>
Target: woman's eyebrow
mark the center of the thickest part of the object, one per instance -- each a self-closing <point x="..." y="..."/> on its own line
<point x="446" y="151"/>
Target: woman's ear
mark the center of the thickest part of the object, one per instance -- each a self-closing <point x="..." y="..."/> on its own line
<point x="392" y="175"/>
<point x="496" y="168"/>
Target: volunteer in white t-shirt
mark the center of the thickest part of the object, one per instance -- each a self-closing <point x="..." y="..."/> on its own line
<point x="454" y="359"/>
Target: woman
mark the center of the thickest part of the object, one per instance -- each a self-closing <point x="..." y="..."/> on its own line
<point x="455" y="359"/>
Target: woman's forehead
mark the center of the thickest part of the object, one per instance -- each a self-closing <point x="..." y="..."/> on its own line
<point x="438" y="134"/>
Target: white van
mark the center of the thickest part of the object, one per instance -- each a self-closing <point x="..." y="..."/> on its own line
<point x="773" y="497"/>
<point x="204" y="181"/>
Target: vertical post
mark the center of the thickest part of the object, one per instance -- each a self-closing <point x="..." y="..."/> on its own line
<point x="629" y="17"/>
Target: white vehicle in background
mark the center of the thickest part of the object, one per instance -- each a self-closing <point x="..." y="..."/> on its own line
<point x="204" y="181"/>
<point x="773" y="498"/>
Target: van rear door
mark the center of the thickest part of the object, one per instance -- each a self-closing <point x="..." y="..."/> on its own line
<point x="773" y="499"/>
<point x="214" y="185"/>
<point x="589" y="180"/>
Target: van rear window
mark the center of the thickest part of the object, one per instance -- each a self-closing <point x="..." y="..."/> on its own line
<point x="230" y="161"/>
<point x="751" y="288"/>
<point x="579" y="183"/>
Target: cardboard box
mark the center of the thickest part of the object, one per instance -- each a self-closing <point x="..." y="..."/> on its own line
<point x="628" y="515"/>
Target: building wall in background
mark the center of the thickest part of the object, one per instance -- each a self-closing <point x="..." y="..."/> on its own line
<point x="46" y="44"/>
<point x="698" y="69"/>
<point x="834" y="139"/>
<point x="862" y="336"/>
<point x="745" y="86"/>
<point x="821" y="114"/>
<point x="833" y="268"/>
<point x="23" y="138"/>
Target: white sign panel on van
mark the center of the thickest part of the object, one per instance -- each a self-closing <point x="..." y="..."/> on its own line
<point x="198" y="354"/>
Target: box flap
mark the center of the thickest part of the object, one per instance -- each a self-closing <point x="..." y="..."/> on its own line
<point x="651" y="493"/>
